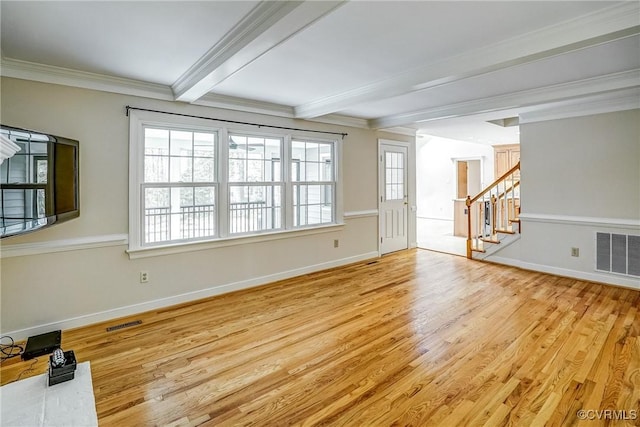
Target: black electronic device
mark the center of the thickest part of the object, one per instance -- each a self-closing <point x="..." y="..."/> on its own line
<point x="38" y="345"/>
<point x="39" y="184"/>
<point x="62" y="366"/>
<point x="57" y="358"/>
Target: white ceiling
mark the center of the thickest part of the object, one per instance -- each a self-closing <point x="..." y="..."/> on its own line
<point x="426" y="65"/>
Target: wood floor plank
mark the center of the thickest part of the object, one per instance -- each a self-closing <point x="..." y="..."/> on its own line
<point x="413" y="338"/>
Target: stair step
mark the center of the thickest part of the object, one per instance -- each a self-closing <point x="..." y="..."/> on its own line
<point x="490" y="240"/>
<point x="498" y="230"/>
<point x="517" y="220"/>
<point x="478" y="250"/>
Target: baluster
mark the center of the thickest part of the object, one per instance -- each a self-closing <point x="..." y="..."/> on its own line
<point x="512" y="209"/>
<point x="477" y="233"/>
<point x="492" y="218"/>
<point x="504" y="216"/>
<point x="484" y="216"/>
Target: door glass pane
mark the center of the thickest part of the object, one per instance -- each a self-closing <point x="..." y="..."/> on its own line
<point x="394" y="176"/>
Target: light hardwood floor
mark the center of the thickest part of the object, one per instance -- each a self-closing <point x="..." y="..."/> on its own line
<point x="415" y="338"/>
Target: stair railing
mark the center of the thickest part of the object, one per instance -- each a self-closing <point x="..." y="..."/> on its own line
<point x="493" y="211"/>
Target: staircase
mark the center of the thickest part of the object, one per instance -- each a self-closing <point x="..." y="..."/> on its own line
<point x="493" y="215"/>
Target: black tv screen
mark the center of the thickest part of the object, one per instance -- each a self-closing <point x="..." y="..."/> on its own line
<point x="39" y="182"/>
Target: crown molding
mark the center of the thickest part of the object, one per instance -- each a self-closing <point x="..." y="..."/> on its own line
<point x="602" y="26"/>
<point x="402" y="130"/>
<point x="266" y="26"/>
<point x="609" y="102"/>
<point x="528" y="98"/>
<point x="340" y="120"/>
<point x="67" y="77"/>
<point x="271" y="109"/>
<point x="245" y="105"/>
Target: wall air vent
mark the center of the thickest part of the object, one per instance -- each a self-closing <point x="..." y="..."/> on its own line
<point x="618" y="253"/>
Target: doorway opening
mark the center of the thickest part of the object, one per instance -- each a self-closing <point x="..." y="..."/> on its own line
<point x="447" y="172"/>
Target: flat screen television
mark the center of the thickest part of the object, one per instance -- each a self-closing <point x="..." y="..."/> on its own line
<point x="39" y="184"/>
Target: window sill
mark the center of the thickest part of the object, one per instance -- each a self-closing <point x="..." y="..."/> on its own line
<point x="229" y="241"/>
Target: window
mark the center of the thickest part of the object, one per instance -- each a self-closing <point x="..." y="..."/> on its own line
<point x="255" y="184"/>
<point x="179" y="188"/>
<point x="394" y="176"/>
<point x="313" y="182"/>
<point x="191" y="181"/>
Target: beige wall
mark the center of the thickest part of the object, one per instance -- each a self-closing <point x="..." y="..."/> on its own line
<point x="585" y="166"/>
<point x="579" y="176"/>
<point x="48" y="290"/>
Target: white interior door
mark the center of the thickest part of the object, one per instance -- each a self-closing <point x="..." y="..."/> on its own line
<point x="393" y="198"/>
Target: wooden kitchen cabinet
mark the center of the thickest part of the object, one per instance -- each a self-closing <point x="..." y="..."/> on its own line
<point x="506" y="157"/>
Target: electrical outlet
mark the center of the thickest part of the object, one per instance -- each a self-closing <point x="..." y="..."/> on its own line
<point x="144" y="277"/>
<point x="336" y="243"/>
<point x="575" y="252"/>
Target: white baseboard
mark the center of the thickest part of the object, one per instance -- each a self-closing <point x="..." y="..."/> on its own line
<point x="565" y="272"/>
<point x="133" y="309"/>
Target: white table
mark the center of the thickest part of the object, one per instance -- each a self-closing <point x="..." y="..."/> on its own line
<point x="31" y="402"/>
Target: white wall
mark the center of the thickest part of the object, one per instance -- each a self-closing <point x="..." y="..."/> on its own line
<point x="72" y="288"/>
<point x="579" y="175"/>
<point x="436" y="174"/>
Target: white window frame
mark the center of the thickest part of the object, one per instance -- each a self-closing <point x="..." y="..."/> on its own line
<point x="141" y="119"/>
<point x="281" y="183"/>
<point x="333" y="182"/>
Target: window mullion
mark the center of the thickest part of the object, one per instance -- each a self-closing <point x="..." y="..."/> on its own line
<point x="223" y="179"/>
<point x="287" y="202"/>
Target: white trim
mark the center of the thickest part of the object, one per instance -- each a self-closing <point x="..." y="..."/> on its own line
<point x="265" y="27"/>
<point x="381" y="173"/>
<point x="581" y="220"/>
<point x="338" y="119"/>
<point x="456" y="160"/>
<point x="7" y="148"/>
<point x="67" y="77"/>
<point x="51" y="246"/>
<point x="570" y="92"/>
<point x="139" y="119"/>
<point x="245" y="105"/>
<point x="210" y="70"/>
<point x="361" y="214"/>
<point x="178" y="248"/>
<point x="402" y="130"/>
<point x="278" y="110"/>
<point x="564" y="272"/>
<point x="133" y="309"/>
<point x="578" y="33"/>
<point x="64" y="76"/>
<point x="491" y="249"/>
<point x="589" y="105"/>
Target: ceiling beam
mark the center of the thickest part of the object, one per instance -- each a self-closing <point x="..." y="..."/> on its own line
<point x="263" y="28"/>
<point x="590" y="30"/>
<point x="627" y="80"/>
